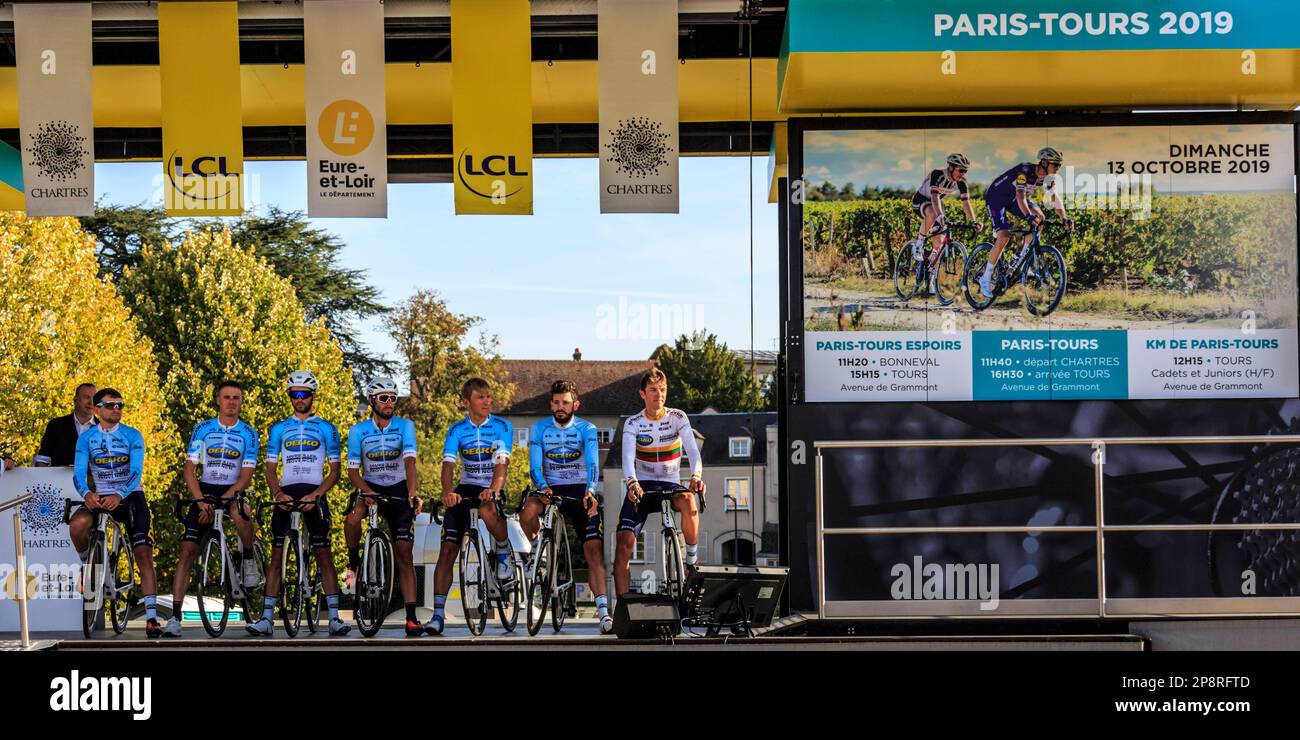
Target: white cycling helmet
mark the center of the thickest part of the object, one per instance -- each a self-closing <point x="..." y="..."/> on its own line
<point x="956" y="159"/>
<point x="301" y="379"/>
<point x="381" y="385"/>
<point x="1050" y="155"/>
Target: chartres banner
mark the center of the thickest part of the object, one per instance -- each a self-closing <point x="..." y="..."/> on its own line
<point x="492" y="105"/>
<point x="638" y="106"/>
<point x="347" y="151"/>
<point x="55" y="115"/>
<point x="202" y="121"/>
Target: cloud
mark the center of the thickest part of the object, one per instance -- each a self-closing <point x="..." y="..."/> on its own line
<point x="905" y="165"/>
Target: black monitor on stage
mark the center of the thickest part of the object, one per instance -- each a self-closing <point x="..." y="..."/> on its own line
<point x="737" y="596"/>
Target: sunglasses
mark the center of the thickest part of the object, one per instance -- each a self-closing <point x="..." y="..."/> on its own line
<point x="299" y="395"/>
<point x="961" y="170"/>
<point x="118" y="405"/>
<point x="386" y="398"/>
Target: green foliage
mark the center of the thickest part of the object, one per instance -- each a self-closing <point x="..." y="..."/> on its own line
<point x="702" y="372"/>
<point x="308" y="256"/>
<point x="1187" y="243"/>
<point x="432" y="342"/>
<point x="63" y="325"/>
<point x="218" y="311"/>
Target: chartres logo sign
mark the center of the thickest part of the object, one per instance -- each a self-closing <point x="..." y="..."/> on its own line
<point x="347" y="168"/>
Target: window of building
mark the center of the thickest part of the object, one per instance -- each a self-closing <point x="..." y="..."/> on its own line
<point x="740" y="446"/>
<point x="521" y="437"/>
<point x="737" y="494"/>
<point x="639" y="552"/>
<point x="746" y="554"/>
<point x="604" y="437"/>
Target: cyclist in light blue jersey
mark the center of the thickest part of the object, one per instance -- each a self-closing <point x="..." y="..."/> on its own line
<point x="226" y="448"/>
<point x="299" y="451"/>
<point x="481" y="442"/>
<point x="564" y="464"/>
<point x="107" y="472"/>
<point x="381" y="460"/>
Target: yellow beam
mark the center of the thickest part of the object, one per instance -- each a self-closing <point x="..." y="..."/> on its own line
<point x="563" y="92"/>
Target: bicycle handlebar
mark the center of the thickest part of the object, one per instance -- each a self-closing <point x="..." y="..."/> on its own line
<point x="679" y="488"/>
<point x="182" y="505"/>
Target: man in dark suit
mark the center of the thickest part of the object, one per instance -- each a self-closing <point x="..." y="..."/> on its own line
<point x="59" y="443"/>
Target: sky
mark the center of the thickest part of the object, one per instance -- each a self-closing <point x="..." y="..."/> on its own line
<point x="616" y="286"/>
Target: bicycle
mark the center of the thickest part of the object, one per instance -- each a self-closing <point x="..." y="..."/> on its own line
<point x="299" y="586"/>
<point x="218" y="574"/>
<point x="374" y="586"/>
<point x="478" y="581"/>
<point x="947" y="265"/>
<point x="674" y="575"/>
<point x="548" y="577"/>
<point x="109" y="544"/>
<point x="1039" y="267"/>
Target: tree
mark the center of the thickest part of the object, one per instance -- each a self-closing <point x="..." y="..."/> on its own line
<point x="218" y="311"/>
<point x="702" y="372"/>
<point x="64" y="325"/>
<point x="438" y="358"/>
<point x="286" y="239"/>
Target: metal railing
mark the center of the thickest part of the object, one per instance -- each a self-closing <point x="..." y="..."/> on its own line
<point x="20" y="572"/>
<point x="1099" y="529"/>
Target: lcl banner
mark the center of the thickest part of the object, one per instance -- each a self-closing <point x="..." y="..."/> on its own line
<point x="492" y="105"/>
<point x="202" y="120"/>
<point x="637" y="42"/>
<point x="347" y="165"/>
<point x="55" y="114"/>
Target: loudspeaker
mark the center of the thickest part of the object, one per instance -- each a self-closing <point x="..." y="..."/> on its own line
<point x="642" y="616"/>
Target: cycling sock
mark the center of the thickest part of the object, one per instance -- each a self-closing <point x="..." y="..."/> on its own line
<point x="988" y="270"/>
<point x="354" y="556"/>
<point x="692" y="554"/>
<point x="332" y="601"/>
<point x="602" y="606"/>
<point x="501" y="546"/>
<point x="410" y="611"/>
<point x="439" y="605"/>
<point x="268" y="611"/>
<point x="150" y="606"/>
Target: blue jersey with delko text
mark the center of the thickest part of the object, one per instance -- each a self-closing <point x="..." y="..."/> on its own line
<point x="479" y="447"/>
<point x="222" y="451"/>
<point x="380" y="453"/>
<point x="563" y="455"/>
<point x="113" y="459"/>
<point x="303" y="447"/>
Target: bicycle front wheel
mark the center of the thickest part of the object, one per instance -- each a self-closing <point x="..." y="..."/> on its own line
<point x="539" y="588"/>
<point x="906" y="273"/>
<point x="562" y="578"/>
<point x="291" y="595"/>
<point x="473" y="584"/>
<point x="314" y="598"/>
<point x="674" y="568"/>
<point x="511" y="598"/>
<point x="123" y="567"/>
<point x="1043" y="281"/>
<point x="949" y="272"/>
<point x="374" y="584"/>
<point x="211" y="587"/>
<point x="92" y="585"/>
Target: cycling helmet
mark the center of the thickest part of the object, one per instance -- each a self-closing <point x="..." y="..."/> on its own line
<point x="1050" y="155"/>
<point x="301" y="379"/>
<point x="958" y="160"/>
<point x="381" y="385"/>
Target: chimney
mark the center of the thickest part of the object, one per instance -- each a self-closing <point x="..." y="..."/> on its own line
<point x="577" y="354"/>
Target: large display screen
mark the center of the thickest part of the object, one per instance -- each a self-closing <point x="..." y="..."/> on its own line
<point x="1155" y="262"/>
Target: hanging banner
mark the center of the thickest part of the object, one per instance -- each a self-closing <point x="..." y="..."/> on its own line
<point x="53" y="569"/>
<point x="638" y="106"/>
<point x="202" y="124"/>
<point x="347" y="152"/>
<point x="492" y="105"/>
<point x="55" y="114"/>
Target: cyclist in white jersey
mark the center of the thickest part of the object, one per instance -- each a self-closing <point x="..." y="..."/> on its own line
<point x="653" y="443"/>
<point x="928" y="201"/>
<point x="305" y="445"/>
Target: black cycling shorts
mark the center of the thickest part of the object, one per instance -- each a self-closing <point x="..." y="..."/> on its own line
<point x="632" y="517"/>
<point x="398" y="514"/>
<point x="132" y="512"/>
<point x="317" y="519"/>
<point x="455" y="521"/>
<point x="194" y="530"/>
<point x="570" y="501"/>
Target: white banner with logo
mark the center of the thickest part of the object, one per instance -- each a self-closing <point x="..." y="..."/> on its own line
<point x="347" y="165"/>
<point x="55" y="114"/>
<point x="637" y="45"/>
<point x="53" y="567"/>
